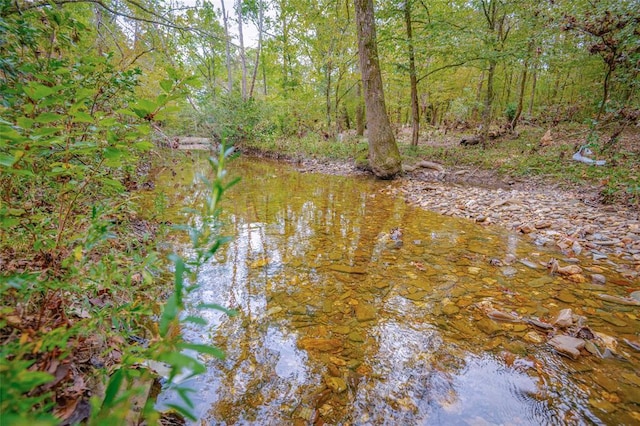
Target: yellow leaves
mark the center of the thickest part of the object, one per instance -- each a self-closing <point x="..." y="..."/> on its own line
<point x="24" y="338"/>
<point x="77" y="253"/>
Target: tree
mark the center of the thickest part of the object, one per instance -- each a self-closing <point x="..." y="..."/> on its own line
<point x="243" y="56"/>
<point x="612" y="33"/>
<point x="498" y="29"/>
<point x="225" y="19"/>
<point x="415" y="109"/>
<point x="384" y="157"/>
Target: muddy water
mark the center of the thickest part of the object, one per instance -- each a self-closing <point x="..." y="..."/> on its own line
<point x="357" y="309"/>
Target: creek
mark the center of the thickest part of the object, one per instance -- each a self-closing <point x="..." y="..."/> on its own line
<point x="355" y="308"/>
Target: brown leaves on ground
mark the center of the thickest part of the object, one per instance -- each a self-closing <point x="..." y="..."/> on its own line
<point x="68" y="365"/>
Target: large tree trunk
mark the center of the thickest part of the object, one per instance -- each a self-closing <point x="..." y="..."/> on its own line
<point x="384" y="157"/>
<point x="225" y="19"/>
<point x="359" y="111"/>
<point x="415" y="108"/>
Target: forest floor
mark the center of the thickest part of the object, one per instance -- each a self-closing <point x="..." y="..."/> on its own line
<point x="575" y="217"/>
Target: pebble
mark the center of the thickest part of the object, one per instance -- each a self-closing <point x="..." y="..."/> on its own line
<point x="566" y="297"/>
<point x="450" y="309"/>
<point x="509" y="271"/>
<point x="548" y="216"/>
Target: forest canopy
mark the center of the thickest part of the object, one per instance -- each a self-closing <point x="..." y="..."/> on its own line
<point x="288" y="67"/>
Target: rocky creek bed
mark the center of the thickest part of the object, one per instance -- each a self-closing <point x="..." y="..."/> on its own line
<point x="330" y="272"/>
<point x="571" y="219"/>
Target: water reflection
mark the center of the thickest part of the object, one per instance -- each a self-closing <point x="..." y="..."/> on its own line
<point x="357" y="309"/>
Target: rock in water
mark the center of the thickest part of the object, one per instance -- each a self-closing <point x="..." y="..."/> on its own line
<point x="336" y="384"/>
<point x="365" y="312"/>
<point x="320" y="344"/>
<point x="567" y="345"/>
<point x="564" y="318"/>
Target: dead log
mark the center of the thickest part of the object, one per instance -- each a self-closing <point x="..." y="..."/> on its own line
<point x="423" y="164"/>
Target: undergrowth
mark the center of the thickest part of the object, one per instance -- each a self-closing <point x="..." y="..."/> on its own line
<point x="86" y="296"/>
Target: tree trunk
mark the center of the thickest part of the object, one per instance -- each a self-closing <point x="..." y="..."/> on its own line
<point x="488" y="102"/>
<point x="534" y="80"/>
<point x="476" y="108"/>
<point x="259" y="49"/>
<point x="243" y="56"/>
<point x="327" y="92"/>
<point x="264" y="79"/>
<point x="359" y="111"/>
<point x="415" y="108"/>
<point x="225" y="19"/>
<point x="384" y="156"/>
<point x="605" y="91"/>
<point x="523" y="83"/>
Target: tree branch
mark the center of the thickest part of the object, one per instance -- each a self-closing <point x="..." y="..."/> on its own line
<point x="444" y="67"/>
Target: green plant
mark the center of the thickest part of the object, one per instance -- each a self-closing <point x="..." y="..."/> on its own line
<point x="80" y="277"/>
<point x="236" y="119"/>
<point x="510" y="111"/>
<point x="205" y="241"/>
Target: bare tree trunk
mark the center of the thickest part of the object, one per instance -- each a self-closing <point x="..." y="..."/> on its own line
<point x="384" y="156"/>
<point x="488" y="102"/>
<point x="328" y="69"/>
<point x="415" y="107"/>
<point x="259" y="49"/>
<point x="264" y="79"/>
<point x="523" y="83"/>
<point x="506" y="88"/>
<point x="243" y="56"/>
<point x="225" y="19"/>
<point x="474" y="113"/>
<point x="534" y="80"/>
<point x="605" y="91"/>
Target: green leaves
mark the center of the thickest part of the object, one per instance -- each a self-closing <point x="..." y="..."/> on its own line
<point x="37" y="91"/>
<point x="166" y="85"/>
<point x="48" y="117"/>
<point x="17" y="381"/>
<point x="144" y="108"/>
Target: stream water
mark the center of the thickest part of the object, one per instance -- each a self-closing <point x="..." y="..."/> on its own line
<point x="355" y="308"/>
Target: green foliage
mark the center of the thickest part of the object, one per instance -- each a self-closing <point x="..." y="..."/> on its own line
<point x="81" y="276"/>
<point x="236" y="120"/>
<point x="205" y="241"/>
<point x="510" y="111"/>
<point x="17" y="382"/>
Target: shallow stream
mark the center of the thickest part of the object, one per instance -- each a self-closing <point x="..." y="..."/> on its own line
<point x="355" y="308"/>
